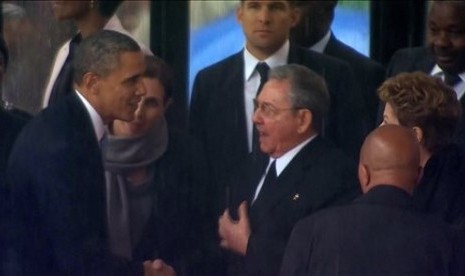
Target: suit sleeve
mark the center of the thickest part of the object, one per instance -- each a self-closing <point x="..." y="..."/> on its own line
<point x="57" y="230"/>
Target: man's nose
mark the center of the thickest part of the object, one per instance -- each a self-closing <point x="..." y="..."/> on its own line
<point x="264" y="15"/>
<point x="442" y="39"/>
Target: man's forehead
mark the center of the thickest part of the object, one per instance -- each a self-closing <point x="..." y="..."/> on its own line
<point x="448" y="9"/>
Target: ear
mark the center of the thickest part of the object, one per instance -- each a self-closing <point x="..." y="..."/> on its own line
<point x="168" y="103"/>
<point x="305" y="120"/>
<point x="419" y="134"/>
<point x="296" y="14"/>
<point x="239" y="13"/>
<point x="90" y="81"/>
<point x="364" y="177"/>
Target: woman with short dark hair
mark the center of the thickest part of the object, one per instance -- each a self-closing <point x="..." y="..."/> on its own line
<point x="432" y="110"/>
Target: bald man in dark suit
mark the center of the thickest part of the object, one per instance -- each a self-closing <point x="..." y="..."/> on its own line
<point x="379" y="233"/>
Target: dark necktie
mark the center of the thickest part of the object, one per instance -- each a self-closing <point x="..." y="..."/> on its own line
<point x="263" y="69"/>
<point x="451" y="79"/>
<point x="269" y="182"/>
<point x="64" y="83"/>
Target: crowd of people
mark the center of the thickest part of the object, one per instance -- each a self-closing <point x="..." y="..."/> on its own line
<point x="302" y="156"/>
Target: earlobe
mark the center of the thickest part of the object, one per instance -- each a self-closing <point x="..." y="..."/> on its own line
<point x="305" y="120"/>
<point x="364" y="177"/>
<point x="239" y="14"/>
<point x="91" y="82"/>
<point x="419" y="134"/>
<point x="296" y="14"/>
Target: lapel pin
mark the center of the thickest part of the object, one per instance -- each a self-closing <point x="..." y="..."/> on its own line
<point x="296" y="196"/>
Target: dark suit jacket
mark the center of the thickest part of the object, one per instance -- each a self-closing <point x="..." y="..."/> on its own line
<point x="217" y="115"/>
<point x="410" y="60"/>
<point x="368" y="73"/>
<point x="10" y="126"/>
<point x="441" y="190"/>
<point x="57" y="179"/>
<point x="377" y="234"/>
<point x="318" y="176"/>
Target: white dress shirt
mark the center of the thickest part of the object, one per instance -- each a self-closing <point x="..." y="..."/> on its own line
<point x="282" y="162"/>
<point x="459" y="87"/>
<point x="96" y="119"/>
<point x="320" y="46"/>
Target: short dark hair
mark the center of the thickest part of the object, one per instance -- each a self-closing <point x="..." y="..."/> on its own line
<point x="100" y="53"/>
<point x="108" y="8"/>
<point x="291" y="2"/>
<point x="157" y="68"/>
<point x="308" y="90"/>
<point x="426" y="102"/>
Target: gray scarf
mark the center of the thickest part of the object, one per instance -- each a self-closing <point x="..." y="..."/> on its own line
<point x="120" y="156"/>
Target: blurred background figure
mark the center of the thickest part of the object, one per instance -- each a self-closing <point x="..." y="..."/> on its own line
<point x="135" y="18"/>
<point x="314" y="32"/>
<point x="19" y="78"/>
<point x="10" y="126"/>
<point x="89" y="16"/>
<point x="431" y="109"/>
<point x="156" y="180"/>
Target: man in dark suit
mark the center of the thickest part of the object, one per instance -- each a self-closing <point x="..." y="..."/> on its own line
<point x="56" y="169"/>
<point x="222" y="99"/>
<point x="314" y="31"/>
<point x="300" y="173"/>
<point x="444" y="55"/>
<point x="379" y="233"/>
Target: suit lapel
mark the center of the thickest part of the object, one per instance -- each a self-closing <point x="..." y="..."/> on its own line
<point x="290" y="179"/>
<point x="234" y="102"/>
<point x="331" y="48"/>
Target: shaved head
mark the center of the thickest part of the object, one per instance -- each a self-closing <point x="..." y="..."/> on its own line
<point x="389" y="156"/>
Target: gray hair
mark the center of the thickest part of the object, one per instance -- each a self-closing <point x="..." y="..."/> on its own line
<point x="100" y="53"/>
<point x="308" y="90"/>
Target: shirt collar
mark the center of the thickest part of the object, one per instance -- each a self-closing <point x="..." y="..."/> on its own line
<point x="320" y="46"/>
<point x="285" y="159"/>
<point x="97" y="121"/>
<point x="438" y="72"/>
<point x="277" y="59"/>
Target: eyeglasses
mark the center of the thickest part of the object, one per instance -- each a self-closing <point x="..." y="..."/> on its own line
<point x="269" y="110"/>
